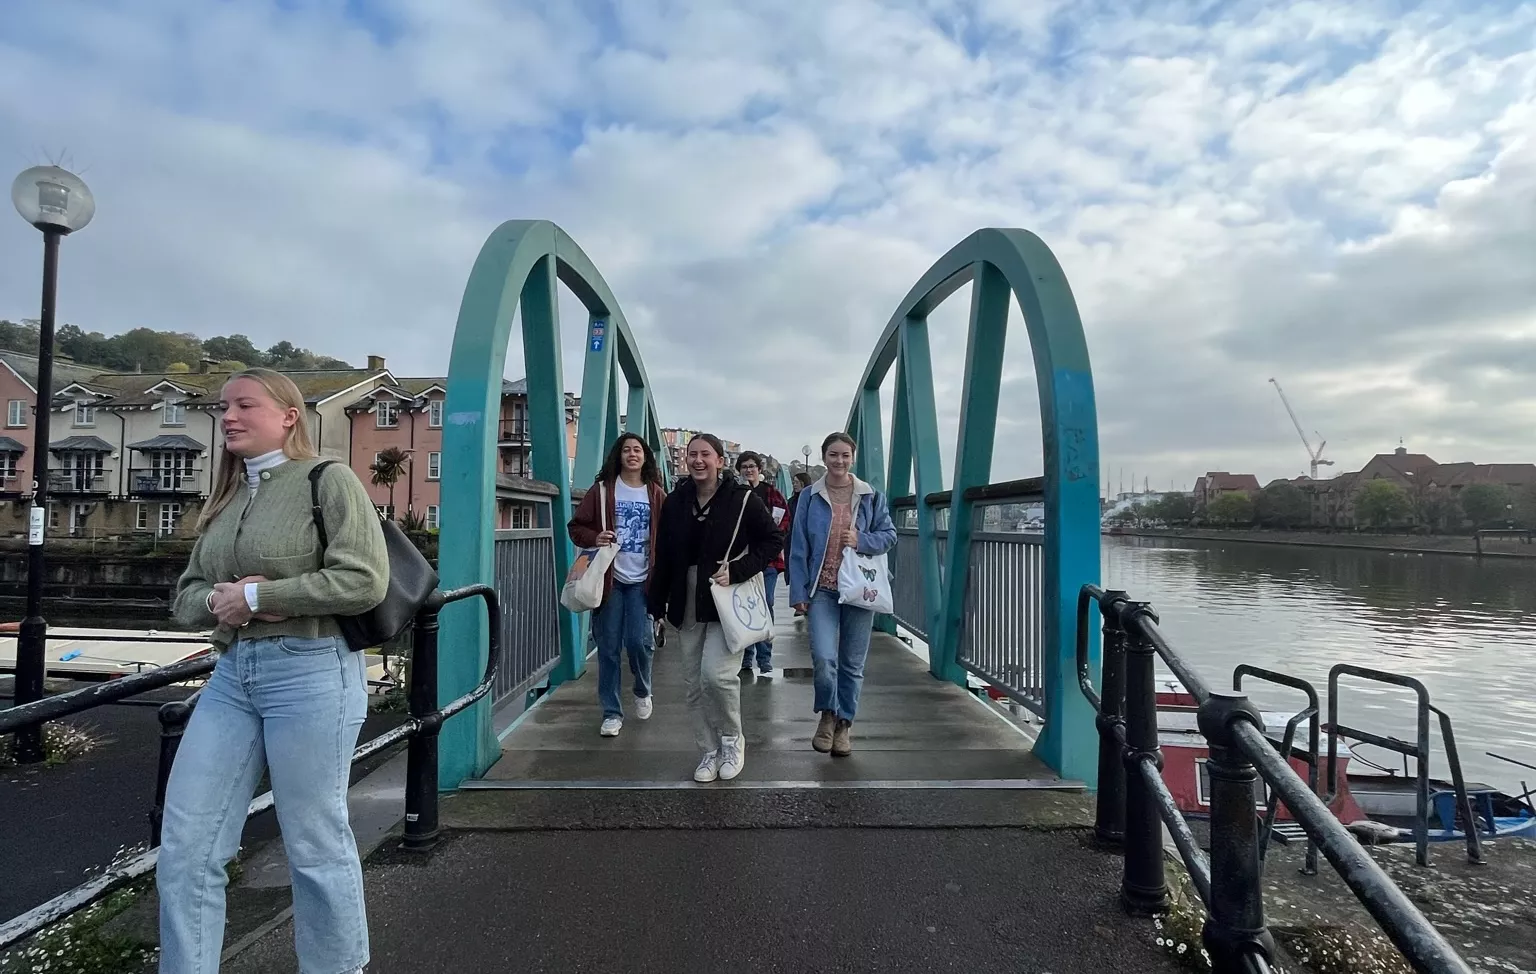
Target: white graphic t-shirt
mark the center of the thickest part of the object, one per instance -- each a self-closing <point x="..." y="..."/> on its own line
<point x="632" y="523"/>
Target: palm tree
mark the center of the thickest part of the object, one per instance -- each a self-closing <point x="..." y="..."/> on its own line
<point x="388" y="467"/>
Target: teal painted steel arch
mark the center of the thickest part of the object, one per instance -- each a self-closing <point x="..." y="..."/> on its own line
<point x="517" y="270"/>
<point x="998" y="263"/>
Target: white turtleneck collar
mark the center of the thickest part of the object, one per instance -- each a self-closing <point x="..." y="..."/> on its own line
<point x="255" y="466"/>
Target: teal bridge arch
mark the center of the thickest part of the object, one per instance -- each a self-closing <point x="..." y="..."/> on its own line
<point x="519" y="269"/>
<point x="997" y="263"/>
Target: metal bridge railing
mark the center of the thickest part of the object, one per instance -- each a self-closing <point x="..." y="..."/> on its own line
<point x="530" y="620"/>
<point x="1134" y="802"/>
<point x="1002" y="637"/>
<point x="420" y="728"/>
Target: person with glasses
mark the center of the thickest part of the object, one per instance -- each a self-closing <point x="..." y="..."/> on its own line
<point x="749" y="466"/>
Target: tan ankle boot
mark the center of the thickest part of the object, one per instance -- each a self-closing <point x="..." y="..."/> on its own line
<point x="822" y="739"/>
<point x="842" y="746"/>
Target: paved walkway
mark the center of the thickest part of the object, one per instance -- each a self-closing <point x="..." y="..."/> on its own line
<point x="941" y="844"/>
<point x="911" y="729"/>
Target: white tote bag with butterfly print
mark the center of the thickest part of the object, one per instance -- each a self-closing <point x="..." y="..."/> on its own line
<point x="863" y="580"/>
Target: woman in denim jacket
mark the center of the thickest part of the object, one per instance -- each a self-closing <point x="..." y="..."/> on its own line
<point x="838" y="511"/>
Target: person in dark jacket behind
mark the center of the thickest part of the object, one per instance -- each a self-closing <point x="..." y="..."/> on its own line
<point x="750" y="467"/>
<point x="696" y="525"/>
<point x="802" y="481"/>
<point x="629" y="488"/>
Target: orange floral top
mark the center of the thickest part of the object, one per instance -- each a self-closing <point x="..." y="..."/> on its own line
<point x="842" y="520"/>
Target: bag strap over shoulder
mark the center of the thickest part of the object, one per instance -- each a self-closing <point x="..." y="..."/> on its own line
<point x="736" y="530"/>
<point x="602" y="504"/>
<point x="315" y="510"/>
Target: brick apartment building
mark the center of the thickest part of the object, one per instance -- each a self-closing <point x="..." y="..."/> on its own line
<point x="134" y="454"/>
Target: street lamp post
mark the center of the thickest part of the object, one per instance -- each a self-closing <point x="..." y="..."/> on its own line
<point x="806" y="450"/>
<point x="57" y="202"/>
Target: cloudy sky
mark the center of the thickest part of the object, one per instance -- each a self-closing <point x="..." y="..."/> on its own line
<point x="1341" y="196"/>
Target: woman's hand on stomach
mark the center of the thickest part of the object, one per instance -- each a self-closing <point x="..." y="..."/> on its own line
<point x="260" y="616"/>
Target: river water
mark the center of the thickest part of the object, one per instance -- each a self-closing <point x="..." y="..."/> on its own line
<point x="1465" y="627"/>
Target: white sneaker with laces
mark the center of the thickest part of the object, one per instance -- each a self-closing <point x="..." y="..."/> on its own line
<point x="733" y="757"/>
<point x="611" y="726"/>
<point x="643" y="707"/>
<point x="709" y="767"/>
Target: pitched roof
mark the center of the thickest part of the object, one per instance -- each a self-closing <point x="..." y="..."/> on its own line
<point x="1221" y="480"/>
<point x="132" y="389"/>
<point x="1408" y="464"/>
<point x="92" y="444"/>
<point x="64" y="370"/>
<point x="169" y="441"/>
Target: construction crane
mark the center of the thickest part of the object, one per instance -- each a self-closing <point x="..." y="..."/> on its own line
<point x="1316" y="456"/>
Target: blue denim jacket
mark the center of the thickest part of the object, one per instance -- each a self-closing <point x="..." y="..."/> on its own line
<point x="813" y="522"/>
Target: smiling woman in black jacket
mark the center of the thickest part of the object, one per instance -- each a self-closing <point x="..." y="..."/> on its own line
<point x="695" y="529"/>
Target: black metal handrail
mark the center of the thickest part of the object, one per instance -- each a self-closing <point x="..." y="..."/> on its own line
<point x="421" y="728"/>
<point x="1312" y="714"/>
<point x="1134" y="802"/>
<point x="1419" y="751"/>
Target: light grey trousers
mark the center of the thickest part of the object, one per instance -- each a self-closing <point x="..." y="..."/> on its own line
<point x="711" y="676"/>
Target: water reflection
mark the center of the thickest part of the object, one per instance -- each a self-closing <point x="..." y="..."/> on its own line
<point x="1467" y="628"/>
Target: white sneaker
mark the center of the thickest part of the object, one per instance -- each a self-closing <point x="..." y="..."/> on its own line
<point x="643" y="707"/>
<point x="733" y="757"/>
<point x="709" y="767"/>
<point x="611" y="726"/>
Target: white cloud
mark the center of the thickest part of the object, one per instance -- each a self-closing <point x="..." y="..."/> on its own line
<point x="1339" y="197"/>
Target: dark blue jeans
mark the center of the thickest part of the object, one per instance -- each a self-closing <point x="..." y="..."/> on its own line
<point x="621" y="622"/>
<point x="763" y="652"/>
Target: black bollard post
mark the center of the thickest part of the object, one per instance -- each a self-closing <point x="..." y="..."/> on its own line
<point x="1235" y="926"/>
<point x="173" y="718"/>
<point x="421" y="830"/>
<point x="1143" y="888"/>
<point x="1109" y="818"/>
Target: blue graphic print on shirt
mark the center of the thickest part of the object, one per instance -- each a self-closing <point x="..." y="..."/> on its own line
<point x="632" y="525"/>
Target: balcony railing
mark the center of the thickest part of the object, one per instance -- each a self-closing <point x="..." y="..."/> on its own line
<point x="152" y="482"/>
<point x="78" y="482"/>
<point x="512" y="432"/>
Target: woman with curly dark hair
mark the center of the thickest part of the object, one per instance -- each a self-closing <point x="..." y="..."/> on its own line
<point x="622" y="507"/>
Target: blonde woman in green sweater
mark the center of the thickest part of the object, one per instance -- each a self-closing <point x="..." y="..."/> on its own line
<point x="287" y="695"/>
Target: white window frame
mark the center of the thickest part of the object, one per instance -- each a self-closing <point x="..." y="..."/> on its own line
<point x="522" y="517"/>
<point x="53" y="517"/>
<point x="79" y="517"/>
<point x="386" y="415"/>
<point x="8" y="466"/>
<point x="174" y="414"/>
<point x="434" y="466"/>
<point x="141" y="517"/>
<point x="432" y="521"/>
<point x="387" y="511"/>
<point x="170" y="515"/>
<point x="85" y="413"/>
<point x="435" y="414"/>
<point x="16" y="413"/>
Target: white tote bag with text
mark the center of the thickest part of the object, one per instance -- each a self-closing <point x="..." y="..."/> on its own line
<point x="743" y="607"/>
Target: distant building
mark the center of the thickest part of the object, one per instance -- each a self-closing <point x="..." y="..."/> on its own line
<point x="1333" y="504"/>
<point x="675" y="441"/>
<point x="1219" y="482"/>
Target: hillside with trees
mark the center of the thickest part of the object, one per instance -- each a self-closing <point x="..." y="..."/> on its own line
<point x="148" y="350"/>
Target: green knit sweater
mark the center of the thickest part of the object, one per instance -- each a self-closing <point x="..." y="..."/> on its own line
<point x="273" y="534"/>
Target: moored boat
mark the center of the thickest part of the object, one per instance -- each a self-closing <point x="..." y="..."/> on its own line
<point x="1377" y="805"/>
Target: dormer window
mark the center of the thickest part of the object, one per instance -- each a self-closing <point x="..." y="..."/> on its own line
<point x="85" y="413"/>
<point x="175" y="415"/>
<point x="387" y="415"/>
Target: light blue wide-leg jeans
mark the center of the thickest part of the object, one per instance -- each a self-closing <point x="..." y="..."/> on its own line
<point x="292" y="706"/>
